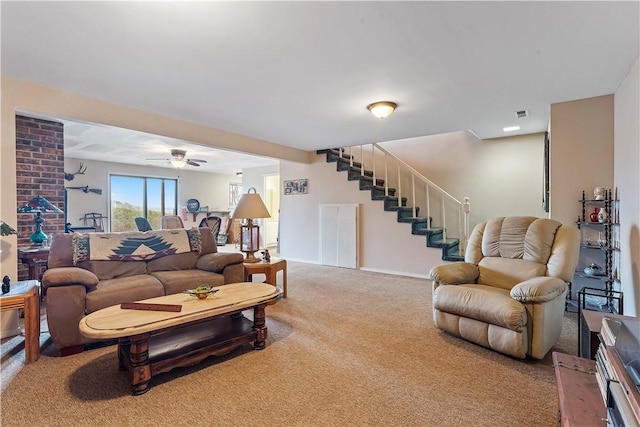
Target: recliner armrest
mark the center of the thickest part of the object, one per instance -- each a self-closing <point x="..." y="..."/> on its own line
<point x="538" y="289"/>
<point x="67" y="276"/>
<point x="217" y="261"/>
<point x="455" y="273"/>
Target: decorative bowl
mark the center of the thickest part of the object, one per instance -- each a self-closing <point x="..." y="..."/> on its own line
<point x="201" y="292"/>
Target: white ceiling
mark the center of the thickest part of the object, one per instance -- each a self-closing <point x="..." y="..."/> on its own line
<point x="112" y="144"/>
<point x="301" y="74"/>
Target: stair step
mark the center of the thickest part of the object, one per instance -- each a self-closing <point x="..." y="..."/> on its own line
<point x="345" y="165"/>
<point x="355" y="174"/>
<point x="444" y="244"/>
<point x="366" y="183"/>
<point x="406" y="214"/>
<point x="377" y="193"/>
<point x="420" y="228"/>
<point x="391" y="203"/>
<point x="333" y="155"/>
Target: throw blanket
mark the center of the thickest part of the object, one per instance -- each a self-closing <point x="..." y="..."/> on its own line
<point x="134" y="246"/>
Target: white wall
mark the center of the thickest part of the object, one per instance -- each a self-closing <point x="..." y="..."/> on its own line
<point x="501" y="177"/>
<point x="209" y="189"/>
<point x="627" y="179"/>
<point x="581" y="153"/>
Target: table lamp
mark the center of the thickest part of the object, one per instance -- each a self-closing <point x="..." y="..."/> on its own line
<point x="250" y="207"/>
<point x="38" y="205"/>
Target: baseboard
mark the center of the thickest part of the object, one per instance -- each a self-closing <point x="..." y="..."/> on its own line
<point x="396" y="273"/>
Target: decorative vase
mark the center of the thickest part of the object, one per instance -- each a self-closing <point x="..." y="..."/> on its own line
<point x="593" y="270"/>
<point x="603" y="215"/>
<point x="594" y="215"/>
<point x="598" y="193"/>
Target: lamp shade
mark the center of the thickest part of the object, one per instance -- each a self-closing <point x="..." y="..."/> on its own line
<point x="251" y="206"/>
<point x="39" y="204"/>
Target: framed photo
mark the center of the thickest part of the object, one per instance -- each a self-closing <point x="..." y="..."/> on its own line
<point x="296" y="186"/>
<point x="235" y="191"/>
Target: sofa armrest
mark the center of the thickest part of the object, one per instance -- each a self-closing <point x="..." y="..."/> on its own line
<point x="65" y="276"/>
<point x="538" y="289"/>
<point x="217" y="261"/>
<point x="455" y="273"/>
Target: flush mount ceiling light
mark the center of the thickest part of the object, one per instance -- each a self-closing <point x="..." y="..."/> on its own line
<point x="511" y="128"/>
<point x="382" y="109"/>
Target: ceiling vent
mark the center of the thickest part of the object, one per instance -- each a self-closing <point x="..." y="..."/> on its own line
<point x="521" y="114"/>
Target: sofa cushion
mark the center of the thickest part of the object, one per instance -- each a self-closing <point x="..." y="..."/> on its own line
<point x="125" y="289"/>
<point x="484" y="303"/>
<point x="173" y="262"/>
<point x="113" y="269"/>
<point x="177" y="281"/>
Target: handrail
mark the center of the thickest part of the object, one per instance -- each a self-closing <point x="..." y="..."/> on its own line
<point x="418" y="174"/>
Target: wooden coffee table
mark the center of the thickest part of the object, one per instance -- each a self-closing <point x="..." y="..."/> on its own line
<point x="152" y="342"/>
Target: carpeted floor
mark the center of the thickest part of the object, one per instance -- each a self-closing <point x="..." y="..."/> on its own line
<point x="347" y="348"/>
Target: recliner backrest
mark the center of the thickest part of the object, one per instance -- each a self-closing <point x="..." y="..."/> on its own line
<point x="509" y="250"/>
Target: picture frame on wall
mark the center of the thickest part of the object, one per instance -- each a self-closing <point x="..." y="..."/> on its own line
<point x="296" y="186"/>
<point x="235" y="191"/>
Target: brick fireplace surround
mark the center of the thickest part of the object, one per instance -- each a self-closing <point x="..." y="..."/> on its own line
<point x="39" y="171"/>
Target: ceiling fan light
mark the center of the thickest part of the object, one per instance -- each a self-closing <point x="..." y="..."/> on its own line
<point x="178" y="163"/>
<point x="382" y="109"/>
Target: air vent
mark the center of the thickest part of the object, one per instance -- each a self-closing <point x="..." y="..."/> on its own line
<point x="521" y="114"/>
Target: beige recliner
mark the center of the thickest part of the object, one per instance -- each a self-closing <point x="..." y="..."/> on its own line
<point x="509" y="293"/>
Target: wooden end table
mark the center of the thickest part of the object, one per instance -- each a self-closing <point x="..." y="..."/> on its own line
<point x="270" y="270"/>
<point x="25" y="295"/>
<point x="35" y="258"/>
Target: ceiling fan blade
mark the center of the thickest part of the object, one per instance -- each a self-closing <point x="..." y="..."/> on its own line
<point x="192" y="163"/>
<point x="157" y="159"/>
<point x="198" y="160"/>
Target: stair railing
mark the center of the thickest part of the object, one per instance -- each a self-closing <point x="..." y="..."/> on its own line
<point x="463" y="208"/>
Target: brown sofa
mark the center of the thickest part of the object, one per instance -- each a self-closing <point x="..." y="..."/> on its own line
<point x="81" y="279"/>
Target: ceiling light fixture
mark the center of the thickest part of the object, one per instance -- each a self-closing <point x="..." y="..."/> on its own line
<point x="178" y="163"/>
<point x="382" y="109"/>
<point x="511" y="128"/>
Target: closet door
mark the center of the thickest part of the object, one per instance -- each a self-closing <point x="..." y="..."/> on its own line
<point x="339" y="235"/>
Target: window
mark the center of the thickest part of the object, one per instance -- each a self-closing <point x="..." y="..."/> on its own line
<point x="133" y="196"/>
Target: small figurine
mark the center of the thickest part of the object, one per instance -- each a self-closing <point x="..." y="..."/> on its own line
<point x="6" y="285"/>
<point x="266" y="257"/>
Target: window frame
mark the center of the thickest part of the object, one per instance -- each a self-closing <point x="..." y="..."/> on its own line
<point x="145" y="178"/>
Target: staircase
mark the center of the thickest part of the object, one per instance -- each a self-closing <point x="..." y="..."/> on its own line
<point x="393" y="198"/>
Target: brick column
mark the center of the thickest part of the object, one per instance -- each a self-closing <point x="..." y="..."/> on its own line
<point x="39" y="171"/>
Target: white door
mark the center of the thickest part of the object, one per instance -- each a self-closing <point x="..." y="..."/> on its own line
<point x="339" y="235"/>
<point x="272" y="202"/>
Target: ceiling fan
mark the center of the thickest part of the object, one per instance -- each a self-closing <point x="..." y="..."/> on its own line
<point x="179" y="160"/>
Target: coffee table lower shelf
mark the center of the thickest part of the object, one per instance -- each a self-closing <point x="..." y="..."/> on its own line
<point x="149" y="354"/>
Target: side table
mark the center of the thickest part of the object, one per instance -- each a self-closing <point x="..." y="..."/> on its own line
<point x="35" y="258"/>
<point x="25" y="295"/>
<point x="270" y="270"/>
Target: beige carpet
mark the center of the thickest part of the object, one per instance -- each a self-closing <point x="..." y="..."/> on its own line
<point x="347" y="348"/>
